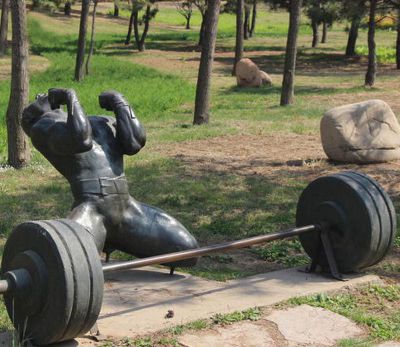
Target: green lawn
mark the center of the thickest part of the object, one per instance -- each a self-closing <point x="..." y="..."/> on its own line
<point x="215" y="199"/>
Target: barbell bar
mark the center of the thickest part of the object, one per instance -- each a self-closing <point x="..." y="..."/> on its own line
<point x="53" y="278"/>
<point x="198" y="252"/>
<point x="7" y="286"/>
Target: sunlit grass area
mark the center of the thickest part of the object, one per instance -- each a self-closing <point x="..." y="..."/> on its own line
<point x="218" y="197"/>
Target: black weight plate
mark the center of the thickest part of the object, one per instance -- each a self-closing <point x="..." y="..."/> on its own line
<point x="95" y="272"/>
<point x="384" y="216"/>
<point x="390" y="232"/>
<point x="67" y="299"/>
<point x="347" y="207"/>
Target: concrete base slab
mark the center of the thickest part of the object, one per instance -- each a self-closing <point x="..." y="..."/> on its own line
<point x="137" y="301"/>
<point x="237" y="335"/>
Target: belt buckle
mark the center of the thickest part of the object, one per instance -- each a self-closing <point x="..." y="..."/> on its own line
<point x="107" y="186"/>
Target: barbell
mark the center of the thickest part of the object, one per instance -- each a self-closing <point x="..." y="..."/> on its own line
<point x="53" y="279"/>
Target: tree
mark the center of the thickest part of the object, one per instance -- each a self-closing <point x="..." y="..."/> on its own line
<point x="80" y="56"/>
<point x="353" y="35"/>
<point x="287" y="94"/>
<point x="67" y="8"/>
<point x="239" y="34"/>
<point x="353" y="11"/>
<point x="314" y="12"/>
<point x="185" y="8"/>
<point x="19" y="153"/>
<point x="92" y="36"/>
<point x="150" y="11"/>
<point x="372" y="63"/>
<point x="202" y="7"/>
<point x="202" y="104"/>
<point x="323" y="12"/>
<point x="398" y="39"/>
<point x="246" y="23"/>
<point x="4" y="26"/>
<point x="116" y="8"/>
<point x="253" y="19"/>
<point x="395" y="4"/>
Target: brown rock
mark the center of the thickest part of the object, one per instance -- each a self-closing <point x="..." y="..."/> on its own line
<point x="249" y="75"/>
<point x="265" y="78"/>
<point x="366" y="132"/>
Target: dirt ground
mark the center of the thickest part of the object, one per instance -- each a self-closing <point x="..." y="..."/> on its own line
<point x="271" y="155"/>
<point x="277" y="157"/>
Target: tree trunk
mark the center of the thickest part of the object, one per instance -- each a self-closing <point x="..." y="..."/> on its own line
<point x="202" y="105"/>
<point x="239" y="34"/>
<point x="202" y="31"/>
<point x="92" y="36"/>
<point x="141" y="44"/>
<point x="287" y="95"/>
<point x="129" y="34"/>
<point x="67" y="8"/>
<point x="324" y="32"/>
<point x="353" y="35"/>
<point x="35" y="4"/>
<point x="116" y="9"/>
<point x="136" y="28"/>
<point x="19" y="153"/>
<point x="372" y="65"/>
<point x="4" y="26"/>
<point x="398" y="39"/>
<point x="253" y="19"/>
<point x="246" y="25"/>
<point x="315" y="33"/>
<point x="188" y="18"/>
<point x="80" y="57"/>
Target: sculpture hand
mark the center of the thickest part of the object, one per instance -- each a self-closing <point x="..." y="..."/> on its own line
<point x="110" y="99"/>
<point x="59" y="96"/>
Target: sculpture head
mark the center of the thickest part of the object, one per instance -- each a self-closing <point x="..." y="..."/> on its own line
<point x="33" y="112"/>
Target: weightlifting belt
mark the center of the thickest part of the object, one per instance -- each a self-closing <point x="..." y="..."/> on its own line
<point x="100" y="186"/>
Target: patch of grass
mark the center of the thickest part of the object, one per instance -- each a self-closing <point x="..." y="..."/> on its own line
<point x="287" y="252"/>
<point x="199" y="324"/>
<point x="220" y="274"/>
<point x="384" y="55"/>
<point x="366" y="342"/>
<point x="376" y="307"/>
<point x="252" y="314"/>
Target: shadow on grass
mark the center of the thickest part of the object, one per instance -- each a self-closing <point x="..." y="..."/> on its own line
<point x="215" y="202"/>
<point x="300" y="90"/>
<point x="210" y="203"/>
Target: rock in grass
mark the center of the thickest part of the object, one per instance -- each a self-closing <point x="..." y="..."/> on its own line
<point x="249" y="75"/>
<point x="265" y="78"/>
<point x="366" y="132"/>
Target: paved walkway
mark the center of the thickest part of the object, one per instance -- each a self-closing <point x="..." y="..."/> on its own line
<point x="137" y="302"/>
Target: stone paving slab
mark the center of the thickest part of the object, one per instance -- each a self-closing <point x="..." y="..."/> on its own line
<point x="313" y="326"/>
<point x="298" y="326"/>
<point x="244" y="334"/>
<point x="136" y="301"/>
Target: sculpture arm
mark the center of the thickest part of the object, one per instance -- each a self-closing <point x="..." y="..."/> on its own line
<point x="74" y="136"/>
<point x="130" y="133"/>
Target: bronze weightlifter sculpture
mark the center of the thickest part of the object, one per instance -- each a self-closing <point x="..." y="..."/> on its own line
<point x="88" y="152"/>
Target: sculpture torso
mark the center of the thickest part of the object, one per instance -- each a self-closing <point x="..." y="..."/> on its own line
<point x="104" y="159"/>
